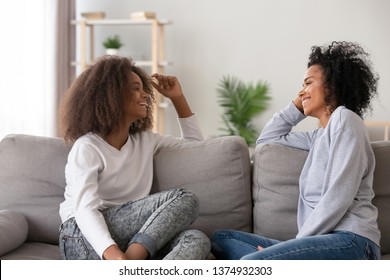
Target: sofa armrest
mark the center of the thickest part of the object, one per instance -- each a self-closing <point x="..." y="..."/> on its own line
<point x="13" y="230"/>
<point x="217" y="171"/>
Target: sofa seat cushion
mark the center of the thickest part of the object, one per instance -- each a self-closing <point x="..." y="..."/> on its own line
<point x="34" y="251"/>
<point x="13" y="230"/>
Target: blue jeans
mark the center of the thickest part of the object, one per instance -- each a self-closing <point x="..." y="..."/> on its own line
<point x="340" y="245"/>
<point x="159" y="222"/>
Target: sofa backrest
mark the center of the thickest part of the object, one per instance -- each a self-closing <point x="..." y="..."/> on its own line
<point x="276" y="171"/>
<point x="218" y="172"/>
<point x="275" y="177"/>
<point x="382" y="191"/>
<point x="32" y="182"/>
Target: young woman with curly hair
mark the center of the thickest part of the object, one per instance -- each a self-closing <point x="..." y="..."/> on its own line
<point x="108" y="212"/>
<point x="336" y="218"/>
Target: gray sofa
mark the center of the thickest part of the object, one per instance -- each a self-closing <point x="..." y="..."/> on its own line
<point x="217" y="170"/>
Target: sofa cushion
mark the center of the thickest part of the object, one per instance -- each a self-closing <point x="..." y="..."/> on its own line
<point x="218" y="172"/>
<point x="34" y="251"/>
<point x="276" y="171"/>
<point x="13" y="230"/>
<point x="32" y="182"/>
<point x="382" y="191"/>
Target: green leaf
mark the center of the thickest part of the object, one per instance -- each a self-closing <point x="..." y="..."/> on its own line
<point x="113" y="42"/>
<point x="241" y="103"/>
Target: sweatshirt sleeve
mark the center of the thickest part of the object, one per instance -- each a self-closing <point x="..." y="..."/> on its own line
<point x="190" y="131"/>
<point x="82" y="177"/>
<point x="278" y="129"/>
<point x="189" y="128"/>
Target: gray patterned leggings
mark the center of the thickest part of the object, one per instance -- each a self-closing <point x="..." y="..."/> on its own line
<point x="158" y="222"/>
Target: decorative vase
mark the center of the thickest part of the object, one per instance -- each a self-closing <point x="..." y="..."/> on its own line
<point x="112" y="51"/>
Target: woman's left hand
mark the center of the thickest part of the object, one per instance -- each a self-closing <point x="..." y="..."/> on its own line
<point x="168" y="86"/>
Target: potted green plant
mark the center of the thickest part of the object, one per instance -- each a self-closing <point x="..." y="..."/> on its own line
<point x="112" y="45"/>
<point x="241" y="103"/>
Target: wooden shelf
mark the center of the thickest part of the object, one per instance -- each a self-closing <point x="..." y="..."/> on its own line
<point x="145" y="63"/>
<point x="140" y="63"/>
<point x="120" y="22"/>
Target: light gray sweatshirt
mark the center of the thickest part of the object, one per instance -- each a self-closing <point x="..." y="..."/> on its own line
<point x="336" y="182"/>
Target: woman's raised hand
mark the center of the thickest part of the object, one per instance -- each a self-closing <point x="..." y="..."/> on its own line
<point x="168" y="86"/>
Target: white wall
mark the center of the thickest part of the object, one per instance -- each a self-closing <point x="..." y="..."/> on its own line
<point x="254" y="40"/>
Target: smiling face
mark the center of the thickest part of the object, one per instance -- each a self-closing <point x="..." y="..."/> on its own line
<point x="313" y="95"/>
<point x="136" y="106"/>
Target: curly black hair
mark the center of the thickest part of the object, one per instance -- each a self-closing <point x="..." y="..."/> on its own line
<point x="348" y="75"/>
<point x="95" y="101"/>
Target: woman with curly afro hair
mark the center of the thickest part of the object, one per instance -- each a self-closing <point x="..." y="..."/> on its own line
<point x="108" y="212"/>
<point x="336" y="218"/>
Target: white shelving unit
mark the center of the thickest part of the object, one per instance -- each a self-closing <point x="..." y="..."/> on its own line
<point x="156" y="63"/>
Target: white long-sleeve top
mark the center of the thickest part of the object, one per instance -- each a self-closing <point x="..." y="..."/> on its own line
<point x="336" y="182"/>
<point x="99" y="176"/>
